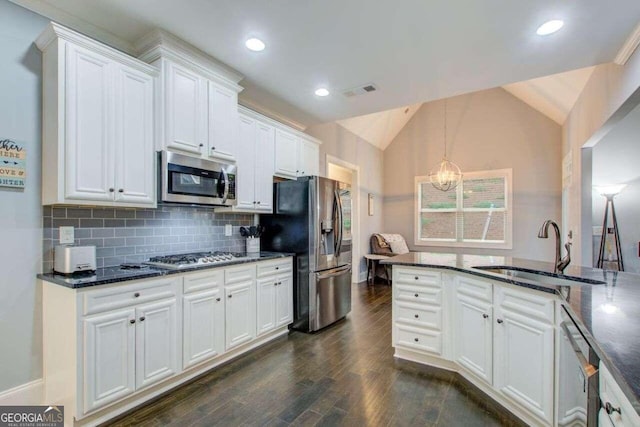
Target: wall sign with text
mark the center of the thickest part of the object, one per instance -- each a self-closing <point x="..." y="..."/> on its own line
<point x="13" y="164"/>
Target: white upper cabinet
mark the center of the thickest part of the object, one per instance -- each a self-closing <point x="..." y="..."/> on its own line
<point x="223" y="120"/>
<point x="308" y="158"/>
<point x="185" y="106"/>
<point x="255" y="158"/>
<point x="286" y="160"/>
<point x="198" y="98"/>
<point x="295" y="156"/>
<point x="135" y="168"/>
<point x="98" y="126"/>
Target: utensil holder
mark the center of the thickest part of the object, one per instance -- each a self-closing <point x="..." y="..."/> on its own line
<point x="253" y="245"/>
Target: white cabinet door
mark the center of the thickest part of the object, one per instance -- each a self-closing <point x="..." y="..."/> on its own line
<point x="286" y="161"/>
<point x="284" y="301"/>
<point x="308" y="158"/>
<point x="223" y="122"/>
<point x="89" y="114"/>
<point x="134" y="155"/>
<point x="240" y="312"/>
<point x="266" y="304"/>
<point x="524" y="352"/>
<point x="473" y="336"/>
<point x="265" y="159"/>
<point x="203" y="327"/>
<point x="156" y="342"/>
<point x="185" y="109"/>
<point x="109" y="358"/>
<point x="245" y="186"/>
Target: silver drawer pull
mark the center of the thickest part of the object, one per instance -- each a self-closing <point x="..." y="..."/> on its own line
<point x="416" y="339"/>
<point x="416" y="295"/>
<point x="416" y="316"/>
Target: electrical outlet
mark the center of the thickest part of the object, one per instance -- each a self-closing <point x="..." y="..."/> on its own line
<point x="228" y="230"/>
<point x="66" y="235"/>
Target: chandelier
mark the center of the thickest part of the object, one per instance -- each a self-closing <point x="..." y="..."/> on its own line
<point x="445" y="176"/>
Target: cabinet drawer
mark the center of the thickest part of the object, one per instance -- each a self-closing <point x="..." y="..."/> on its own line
<point x="240" y="274"/>
<point x="418" y="294"/>
<point x="130" y="294"/>
<point x="278" y="266"/>
<point x="611" y="393"/>
<point x="427" y="316"/>
<point x="527" y="303"/>
<point x="418" y="339"/>
<point x="476" y="289"/>
<point x="416" y="276"/>
<point x="202" y="281"/>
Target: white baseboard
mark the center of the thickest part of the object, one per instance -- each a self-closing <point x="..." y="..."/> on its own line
<point x="25" y="394"/>
<point x="362" y="276"/>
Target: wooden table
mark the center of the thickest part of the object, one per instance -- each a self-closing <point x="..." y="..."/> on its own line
<point x="373" y="261"/>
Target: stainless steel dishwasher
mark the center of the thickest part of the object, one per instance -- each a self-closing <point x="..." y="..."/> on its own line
<point x="578" y="399"/>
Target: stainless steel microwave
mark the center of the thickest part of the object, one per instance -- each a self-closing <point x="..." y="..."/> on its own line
<point x="195" y="181"/>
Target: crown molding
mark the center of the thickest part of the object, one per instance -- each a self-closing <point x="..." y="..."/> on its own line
<point x="273" y="115"/>
<point x="55" y="31"/>
<point x="628" y="47"/>
<point x="161" y="44"/>
<point x="278" y="124"/>
<point x="53" y="13"/>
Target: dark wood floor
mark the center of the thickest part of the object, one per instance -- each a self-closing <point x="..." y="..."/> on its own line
<point x="344" y="375"/>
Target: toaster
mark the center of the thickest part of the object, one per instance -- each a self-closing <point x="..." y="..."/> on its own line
<point x="73" y="259"/>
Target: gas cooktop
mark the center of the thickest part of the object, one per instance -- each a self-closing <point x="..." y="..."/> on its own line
<point x="196" y="259"/>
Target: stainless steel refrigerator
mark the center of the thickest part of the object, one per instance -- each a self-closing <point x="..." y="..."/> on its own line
<point x="312" y="218"/>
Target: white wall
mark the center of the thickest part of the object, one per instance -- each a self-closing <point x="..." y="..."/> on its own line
<point x="609" y="87"/>
<point x="20" y="211"/>
<point x="486" y="130"/>
<point x="615" y="161"/>
<point x="341" y="143"/>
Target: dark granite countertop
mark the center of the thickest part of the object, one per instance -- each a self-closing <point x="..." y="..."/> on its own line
<point x="109" y="275"/>
<point x="608" y="314"/>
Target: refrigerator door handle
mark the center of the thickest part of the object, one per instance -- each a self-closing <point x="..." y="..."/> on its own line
<point x="333" y="273"/>
<point x="340" y="221"/>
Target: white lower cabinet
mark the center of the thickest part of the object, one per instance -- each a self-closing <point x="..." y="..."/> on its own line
<point x="240" y="301"/>
<point x="156" y="339"/>
<point x="127" y="349"/>
<point x="473" y="327"/>
<point x="524" y="350"/>
<point x="417" y="310"/>
<point x="617" y="410"/>
<point x="502" y="337"/>
<point x="203" y="317"/>
<point x="109" y="348"/>
<point x="275" y="296"/>
<point x="109" y="351"/>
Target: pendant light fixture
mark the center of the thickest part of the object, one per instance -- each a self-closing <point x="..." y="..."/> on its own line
<point x="445" y="176"/>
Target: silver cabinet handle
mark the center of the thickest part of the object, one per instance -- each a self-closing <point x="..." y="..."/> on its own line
<point x="132" y="321"/>
<point x="230" y="295"/>
<point x="136" y="295"/>
<point x="416" y="316"/>
<point x="416" y="339"/>
<point x="500" y="321"/>
<point x="218" y="299"/>
<point x="142" y="318"/>
<point x="485" y="315"/>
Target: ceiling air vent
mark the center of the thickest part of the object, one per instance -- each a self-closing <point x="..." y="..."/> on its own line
<point x="360" y="90"/>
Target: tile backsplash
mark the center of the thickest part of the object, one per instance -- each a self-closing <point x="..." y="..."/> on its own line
<point x="133" y="235"/>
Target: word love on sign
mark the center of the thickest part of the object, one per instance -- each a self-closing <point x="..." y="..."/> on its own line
<point x="13" y="166"/>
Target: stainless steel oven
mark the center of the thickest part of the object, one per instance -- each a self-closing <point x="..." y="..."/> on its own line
<point x="578" y="401"/>
<point x="191" y="180"/>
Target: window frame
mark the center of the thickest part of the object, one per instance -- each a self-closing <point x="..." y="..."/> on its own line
<point x="507" y="174"/>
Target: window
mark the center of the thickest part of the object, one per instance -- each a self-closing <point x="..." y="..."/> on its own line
<point x="476" y="214"/>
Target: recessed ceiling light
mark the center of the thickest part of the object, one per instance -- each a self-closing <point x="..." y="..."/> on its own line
<point x="322" y="92"/>
<point x="255" y="45"/>
<point x="549" y="27"/>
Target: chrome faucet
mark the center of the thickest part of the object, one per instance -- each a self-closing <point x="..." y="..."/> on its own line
<point x="560" y="263"/>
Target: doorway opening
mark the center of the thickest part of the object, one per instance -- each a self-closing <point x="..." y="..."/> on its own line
<point x="349" y="174"/>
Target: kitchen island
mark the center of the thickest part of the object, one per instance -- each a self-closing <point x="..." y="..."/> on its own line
<point x="603" y="304"/>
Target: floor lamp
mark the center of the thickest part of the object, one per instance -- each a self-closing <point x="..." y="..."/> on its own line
<point x="610" y="192"/>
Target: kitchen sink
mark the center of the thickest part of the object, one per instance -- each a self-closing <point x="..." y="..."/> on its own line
<point x="540" y="276"/>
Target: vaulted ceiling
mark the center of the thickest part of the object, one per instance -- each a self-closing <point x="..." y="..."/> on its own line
<point x="413" y="51"/>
